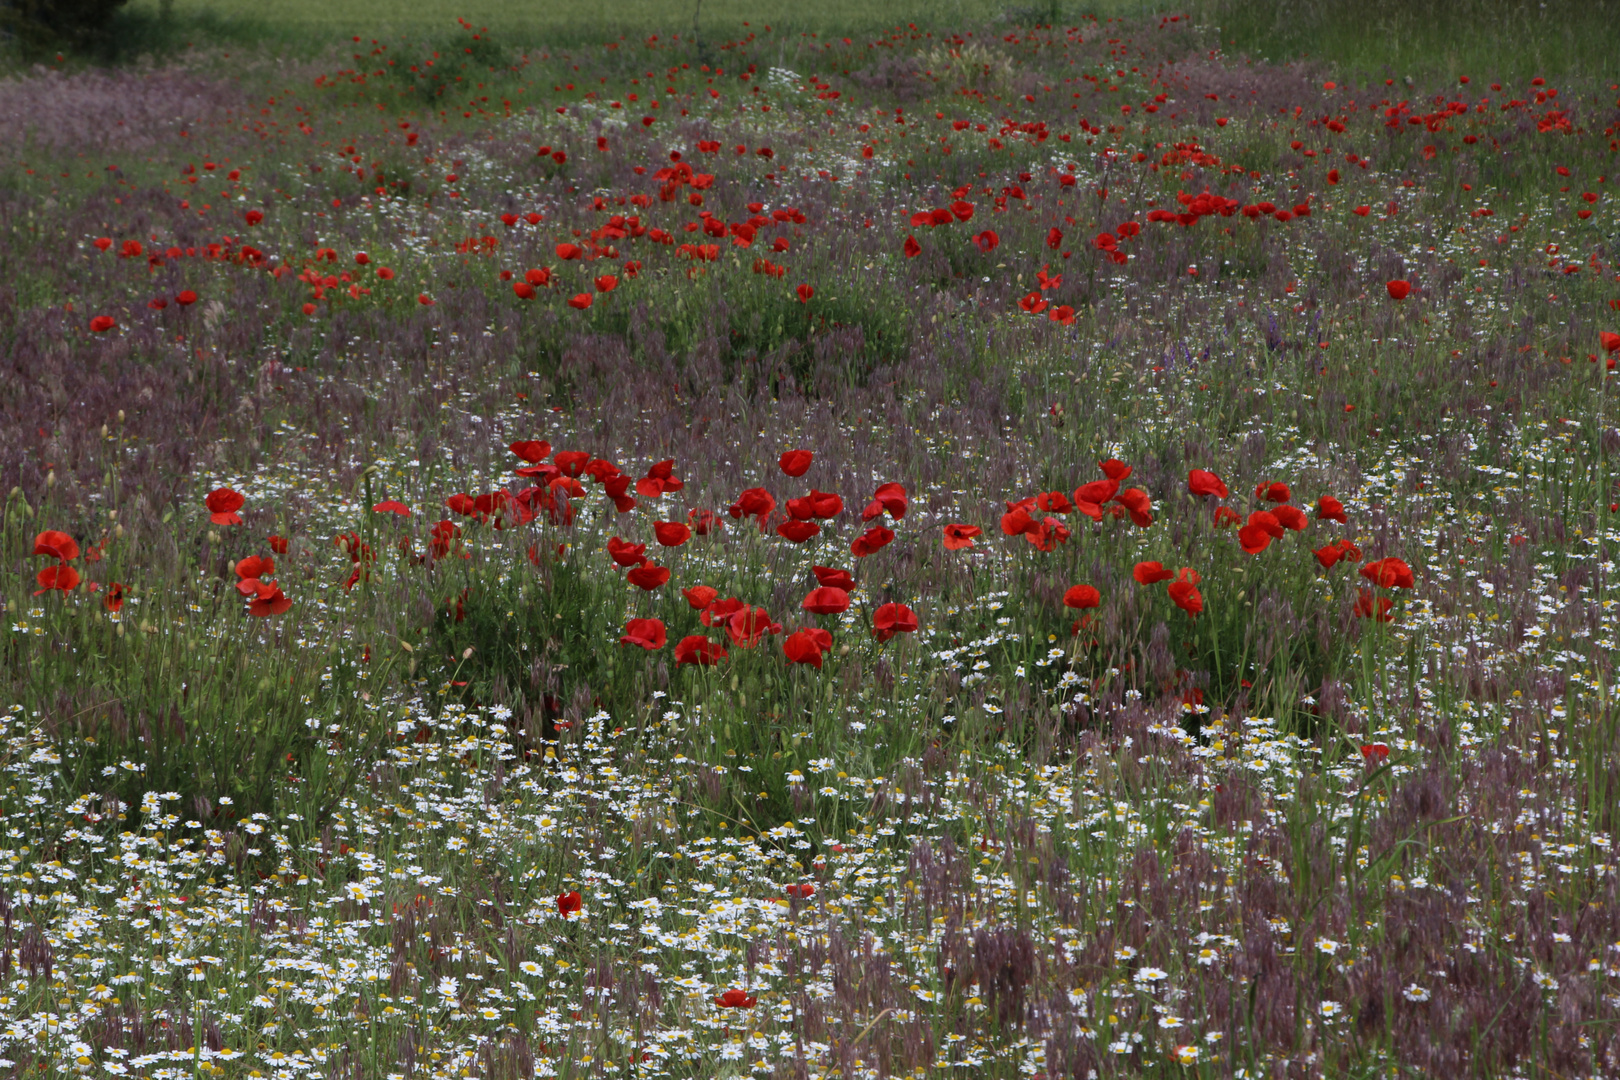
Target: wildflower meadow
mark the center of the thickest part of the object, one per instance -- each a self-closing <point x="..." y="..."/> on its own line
<point x="1046" y="545"/>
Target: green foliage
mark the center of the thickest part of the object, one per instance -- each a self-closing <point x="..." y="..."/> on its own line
<point x="42" y="25"/>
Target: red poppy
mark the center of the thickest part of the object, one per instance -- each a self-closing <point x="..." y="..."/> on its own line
<point x="746" y="627"/>
<point x="1330" y="509"/>
<point x="533" y="451"/>
<point x="721" y="610"/>
<point x="571" y="462"/>
<point x="1381" y="609"/>
<point x="253" y="567"/>
<point x="114" y="600"/>
<point x="278" y="544"/>
<point x="1202" y="482"/>
<point x="1291" y="517"/>
<point x="1138" y="505"/>
<point x="60" y="577"/>
<point x="392" y="506"/>
<point x="569" y="903"/>
<point x="1033" y="303"/>
<point x="1374" y="753"/>
<point x="158" y="303"/>
<point x="795" y="462"/>
<point x="912" y="248"/>
<point x="798" y="531"/>
<point x="1063" y="314"/>
<point x="1054" y="502"/>
<point x="806" y="647"/>
<point x="648" y="576"/>
<point x="1224" y="516"/>
<point x="671" y="533"/>
<point x="1017" y="520"/>
<point x="756" y="503"/>
<point x="1150" y="573"/>
<point x="647" y="633"/>
<point x="872" y="540"/>
<point x="1398" y="289"/>
<point x="700" y="596"/>
<point x="834" y="578"/>
<point x="523" y="290"/>
<point x="223" y="504"/>
<point x="1115" y="469"/>
<point x="569" y="251"/>
<point x="1097" y="492"/>
<point x="538" y="277"/>
<point x="1277" y="493"/>
<point x="962" y="210"/>
<point x="1389" y="573"/>
<point x="1082" y="597"/>
<point x="986" y="241"/>
<point x="580" y="301"/>
<point x="959" y="536"/>
<point x="826" y="600"/>
<point x="705" y="522"/>
<point x="102" y="323"/>
<point x="892" y="619"/>
<point x="267" y="600"/>
<point x="889" y="497"/>
<point x="696" y="649"/>
<point x="461" y="503"/>
<point x="817" y="504"/>
<point x="1184" y="592"/>
<point x="1048" y="534"/>
<point x="58" y="545"/>
<point x="736" y="999"/>
<point x="1328" y="556"/>
<point x="606" y="283"/>
<point x="659" y="480"/>
<point x="802" y="891"/>
<point x="1609" y="341"/>
<point x="1261" y="530"/>
<point x="805" y="293"/>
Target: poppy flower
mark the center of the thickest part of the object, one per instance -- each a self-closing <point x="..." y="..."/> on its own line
<point x="700" y="596"/>
<point x="533" y="451"/>
<point x="385" y="274"/>
<point x="1224" y="516"/>
<point x="424" y="299"/>
<point x="1375" y="753"/>
<point x="1063" y="314"/>
<point x="795" y="462"/>
<point x="986" y="241"/>
<point x="1017" y="520"/>
<point x="523" y="290"/>
<point x="278" y="544"/>
<point x="569" y="251"/>
<point x="671" y="533"/>
<point x="572" y="462"/>
<point x="1291" y="517"/>
<point x="1380" y="609"/>
<point x="660" y="479"/>
<point x="1054" y="502"/>
<point x="1150" y="573"/>
<point x="1048" y="534"/>
<point x="1184" y="592"/>
<point x="392" y="506"/>
<point x="826" y="600"/>
<point x="798" y="531"/>
<point x="1097" y="492"/>
<point x="1609" y="341"/>
<point x="61" y="577"/>
<point x="105" y="242"/>
<point x="267" y="599"/>
<point x="1138" y="505"/>
<point x="1330" y="509"/>
<point x="962" y="210"/>
<point x="747" y="626"/>
<point x="606" y="283"/>
<point x="699" y="650"/>
<point x="57" y="544"/>
<point x="1202" y="482"/>
<point x="720" y="611"/>
<point x="912" y="248"/>
<point x="1389" y="573"/>
<point x="1398" y="289"/>
<point x="102" y="323"/>
<point x="461" y="503"/>
<point x="892" y="619"/>
<point x="806" y="647"/>
<point x="756" y="503"/>
<point x="1277" y="493"/>
<point x="736" y="999"/>
<point x="871" y="541"/>
<point x="186" y="298"/>
<point x="1115" y="469"/>
<point x="648" y="576"/>
<point x="223" y="504"/>
<point x="538" y="277"/>
<point x="625" y="553"/>
<point x="1082" y="597"/>
<point x="647" y="633"/>
<point x="834" y="578"/>
<point x="158" y="303"/>
<point x="959" y="536"/>
<point x="1033" y="303"/>
<point x="569" y="903"/>
<point x="580" y="301"/>
<point x="817" y="504"/>
<point x="114" y="600"/>
<point x="705" y="522"/>
<point x="805" y="293"/>
<point x="253" y="567"/>
<point x="801" y="890"/>
<point x="889" y="497"/>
